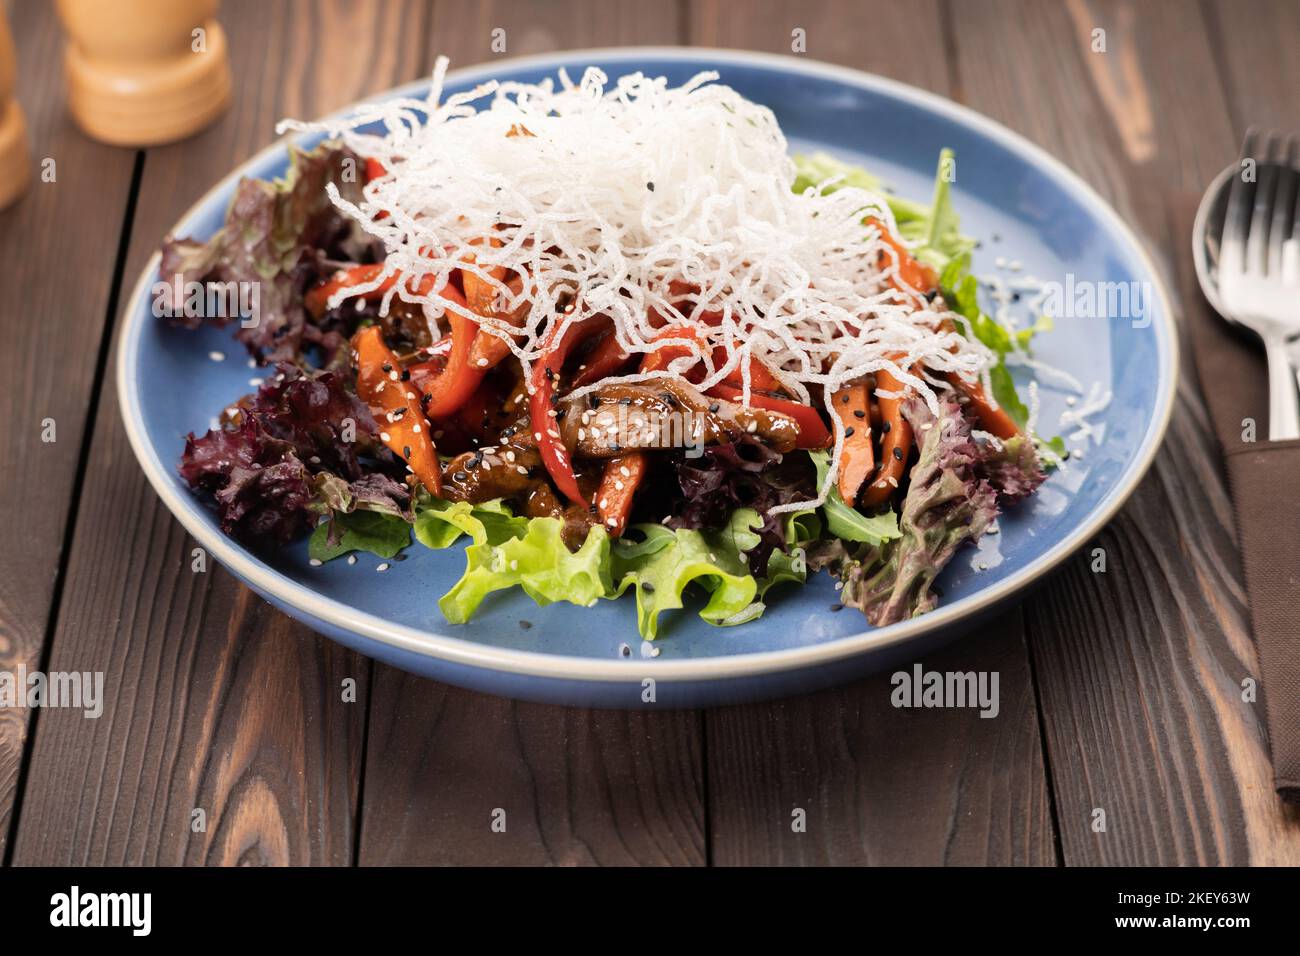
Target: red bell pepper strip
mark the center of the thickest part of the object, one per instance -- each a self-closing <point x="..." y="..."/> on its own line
<point x="374" y="168"/>
<point x="458" y="380"/>
<point x="618" y="484"/>
<point x="402" y="425"/>
<point x="760" y="377"/>
<point x="659" y="358"/>
<point x="603" y="360"/>
<point x="858" y="458"/>
<point x="317" y="299"/>
<point x="545" y="374"/>
<point x="895" y="441"/>
<point x="812" y="430"/>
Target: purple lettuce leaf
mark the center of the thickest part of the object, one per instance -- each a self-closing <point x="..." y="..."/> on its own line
<point x="1012" y="467"/>
<point x="947" y="504"/>
<point x="280" y="238"/>
<point x="292" y="453"/>
<point x="741" y="474"/>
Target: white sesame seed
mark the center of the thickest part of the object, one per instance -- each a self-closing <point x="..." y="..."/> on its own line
<point x="315" y="562"/>
<point x="385" y="437"/>
<point x="482" y="363"/>
<point x="217" y="356"/>
<point x="752" y="427"/>
<point x="352" y="559"/>
<point x="382" y="567"/>
<point x="416" y="428"/>
<point x="618" y="485"/>
<point x="255" y="382"/>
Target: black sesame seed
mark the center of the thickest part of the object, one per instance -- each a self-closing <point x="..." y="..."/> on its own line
<point x="459" y="476"/>
<point x="650" y="186"/>
<point x="845" y="399"/>
<point x="550" y="374"/>
<point x="859" y="413"/>
<point x="559" y="416"/>
<point x="386" y="367"/>
<point x="848" y="432"/>
<point x="713" y="408"/>
<point x="406" y="375"/>
<point x="884" y="428"/>
<point x="398" y="413"/>
<point x="647" y="587"/>
<point x="406" y="452"/>
<point x="898" y="453"/>
<point x="837" y="607"/>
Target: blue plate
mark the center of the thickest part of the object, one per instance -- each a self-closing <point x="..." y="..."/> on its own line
<point x="1025" y="205"/>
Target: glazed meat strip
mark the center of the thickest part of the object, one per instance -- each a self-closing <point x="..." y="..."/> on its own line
<point x="660" y="414"/>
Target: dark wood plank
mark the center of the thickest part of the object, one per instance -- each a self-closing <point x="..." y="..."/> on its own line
<point x="569" y="786"/>
<point x="214" y="700"/>
<point x="57" y="244"/>
<point x="878" y="784"/>
<point x="1255" y="44"/>
<point x="864" y="35"/>
<point x="577" y="786"/>
<point x="1140" y="668"/>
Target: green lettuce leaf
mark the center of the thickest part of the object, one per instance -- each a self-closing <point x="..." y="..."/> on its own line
<point x="658" y="563"/>
<point x="960" y="291"/>
<point x="849" y="523"/>
<point x="934" y="227"/>
<point x="378" y="532"/>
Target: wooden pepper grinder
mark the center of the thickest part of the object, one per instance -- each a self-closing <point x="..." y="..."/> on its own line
<point x="145" y="71"/>
<point x="15" y="165"/>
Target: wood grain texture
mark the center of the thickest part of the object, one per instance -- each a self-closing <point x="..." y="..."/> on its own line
<point x="880" y="785"/>
<point x="1257" y="46"/>
<point x="214" y="700"/>
<point x="463" y="29"/>
<point x="563" y="786"/>
<point x="577" y="786"/>
<point x="1140" y="668"/>
<point x="53" y="326"/>
<point x="869" y="36"/>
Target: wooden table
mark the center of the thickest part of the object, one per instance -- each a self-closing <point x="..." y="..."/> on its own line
<point x="1121" y="691"/>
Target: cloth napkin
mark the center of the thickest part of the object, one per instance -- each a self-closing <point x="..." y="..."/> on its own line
<point x="1264" y="481"/>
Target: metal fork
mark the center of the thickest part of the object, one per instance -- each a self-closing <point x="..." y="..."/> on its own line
<point x="1259" y="264"/>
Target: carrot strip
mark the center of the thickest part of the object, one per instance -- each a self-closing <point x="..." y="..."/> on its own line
<point x="896" y="443"/>
<point x="858" y="458"/>
<point x="618" y="484"/>
<point x="994" y="420"/>
<point x="402" y="425"/>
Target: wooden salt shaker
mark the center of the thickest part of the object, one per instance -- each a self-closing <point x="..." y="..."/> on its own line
<point x="145" y="71"/>
<point x="15" y="164"/>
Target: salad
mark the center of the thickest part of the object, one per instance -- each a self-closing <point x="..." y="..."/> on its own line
<point x="612" y="337"/>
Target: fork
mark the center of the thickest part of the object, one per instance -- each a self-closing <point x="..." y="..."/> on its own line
<point x="1259" y="264"/>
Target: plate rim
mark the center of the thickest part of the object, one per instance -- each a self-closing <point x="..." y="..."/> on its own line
<point x="277" y="587"/>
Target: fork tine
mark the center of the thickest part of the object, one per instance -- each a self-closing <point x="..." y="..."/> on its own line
<point x="1283" y="208"/>
<point x="1261" y="219"/>
<point x="1232" y="253"/>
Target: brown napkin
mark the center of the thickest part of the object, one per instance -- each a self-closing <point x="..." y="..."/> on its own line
<point x="1264" y="479"/>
